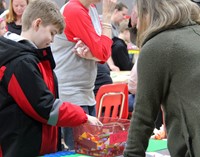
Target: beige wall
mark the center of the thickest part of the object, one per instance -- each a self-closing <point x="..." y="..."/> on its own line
<point x="127" y="2"/>
<point x="59" y="2"/>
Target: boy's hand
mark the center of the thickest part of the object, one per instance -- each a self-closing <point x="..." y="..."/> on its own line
<point x="93" y="120"/>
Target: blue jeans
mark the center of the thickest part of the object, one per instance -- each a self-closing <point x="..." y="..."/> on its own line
<point x="131" y="101"/>
<point x="68" y="132"/>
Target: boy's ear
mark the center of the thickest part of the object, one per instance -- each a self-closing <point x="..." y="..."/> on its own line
<point x="37" y="23"/>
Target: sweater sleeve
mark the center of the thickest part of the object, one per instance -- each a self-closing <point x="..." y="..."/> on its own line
<point x="79" y="24"/>
<point x="153" y="82"/>
<point x="29" y="90"/>
<point x="132" y="82"/>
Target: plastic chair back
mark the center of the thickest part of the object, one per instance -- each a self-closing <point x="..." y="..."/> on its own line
<point x="112" y="101"/>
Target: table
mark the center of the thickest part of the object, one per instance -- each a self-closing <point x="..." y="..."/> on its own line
<point x="156" y="148"/>
<point x="64" y="154"/>
<point x="120" y="76"/>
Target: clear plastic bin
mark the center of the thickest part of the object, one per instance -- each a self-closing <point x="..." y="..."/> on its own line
<point x="108" y="140"/>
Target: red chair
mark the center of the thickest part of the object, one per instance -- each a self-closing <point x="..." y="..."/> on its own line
<point x="112" y="101"/>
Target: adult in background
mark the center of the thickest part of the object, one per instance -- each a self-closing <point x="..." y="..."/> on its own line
<point x="168" y="74"/>
<point x="76" y="68"/>
<point x="13" y="18"/>
<point x="119" y="14"/>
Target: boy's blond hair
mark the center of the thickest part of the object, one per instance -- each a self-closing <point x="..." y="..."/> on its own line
<point x="46" y="10"/>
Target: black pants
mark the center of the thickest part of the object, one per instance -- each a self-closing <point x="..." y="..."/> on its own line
<point x="159" y="120"/>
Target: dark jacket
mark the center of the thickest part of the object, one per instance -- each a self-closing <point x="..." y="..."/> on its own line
<point x="103" y="76"/>
<point x="29" y="109"/>
<point x="120" y="54"/>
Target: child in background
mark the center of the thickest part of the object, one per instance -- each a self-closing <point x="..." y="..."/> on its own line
<point x="120" y="54"/>
<point x="75" y="69"/>
<point x="3" y="28"/>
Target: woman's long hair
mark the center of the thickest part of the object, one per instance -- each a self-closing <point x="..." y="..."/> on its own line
<point x="11" y="16"/>
<point x="155" y="15"/>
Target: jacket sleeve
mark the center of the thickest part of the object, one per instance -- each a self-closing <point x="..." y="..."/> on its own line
<point x="79" y="24"/>
<point x="132" y="82"/>
<point x="121" y="57"/>
<point x="32" y="95"/>
<point x="153" y="83"/>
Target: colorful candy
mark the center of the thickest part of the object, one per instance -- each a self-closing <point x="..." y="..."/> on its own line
<point x="108" y="140"/>
<point x="98" y="145"/>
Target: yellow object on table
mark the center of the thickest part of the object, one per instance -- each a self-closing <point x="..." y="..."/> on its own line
<point x="120" y="76"/>
<point x="133" y="51"/>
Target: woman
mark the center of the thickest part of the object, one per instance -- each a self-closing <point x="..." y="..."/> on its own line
<point x="13" y="19"/>
<point x="168" y="74"/>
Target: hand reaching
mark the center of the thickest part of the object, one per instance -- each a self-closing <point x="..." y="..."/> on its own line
<point x="114" y="68"/>
<point x="93" y="120"/>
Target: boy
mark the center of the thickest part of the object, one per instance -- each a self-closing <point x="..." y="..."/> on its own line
<point x="29" y="109"/>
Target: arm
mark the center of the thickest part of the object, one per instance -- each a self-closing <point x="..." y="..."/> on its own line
<point x="35" y="98"/>
<point x="82" y="27"/>
<point x="132" y="82"/>
<point x="106" y="14"/>
<point x="83" y="51"/>
<point x="108" y="7"/>
<point x="153" y="74"/>
<point x="111" y="65"/>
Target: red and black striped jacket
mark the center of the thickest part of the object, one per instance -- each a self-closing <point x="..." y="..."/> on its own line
<point x="30" y="111"/>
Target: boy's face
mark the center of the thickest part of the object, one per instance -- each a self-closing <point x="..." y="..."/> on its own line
<point x="44" y="35"/>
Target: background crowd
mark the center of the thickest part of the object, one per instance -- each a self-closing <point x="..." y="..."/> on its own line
<point x="65" y="60"/>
